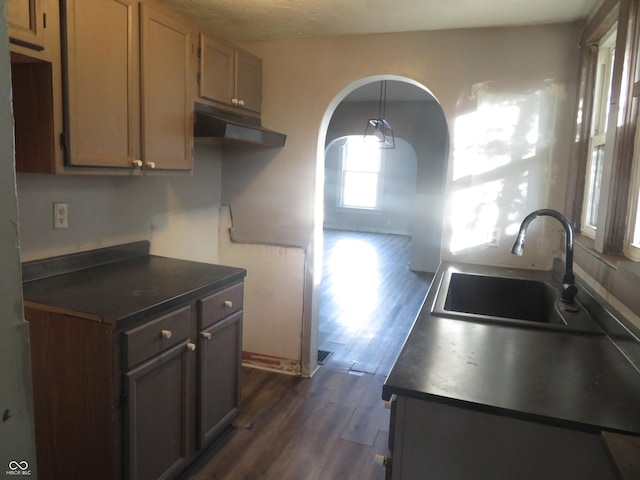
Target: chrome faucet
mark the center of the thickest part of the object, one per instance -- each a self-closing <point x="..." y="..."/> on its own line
<point x="569" y="289"/>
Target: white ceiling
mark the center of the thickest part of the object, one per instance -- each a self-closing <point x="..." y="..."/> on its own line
<point x="245" y="20"/>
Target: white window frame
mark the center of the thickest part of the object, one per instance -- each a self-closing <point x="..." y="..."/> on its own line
<point x="632" y="237"/>
<point x="598" y="134"/>
<point x="342" y="184"/>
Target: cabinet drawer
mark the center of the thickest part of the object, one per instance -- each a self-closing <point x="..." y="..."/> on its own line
<point x="156" y="336"/>
<point x="221" y="304"/>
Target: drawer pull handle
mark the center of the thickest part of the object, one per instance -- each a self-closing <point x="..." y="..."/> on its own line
<point x="136" y="163"/>
<point x="206" y="335"/>
<point x="191" y="347"/>
<point x="166" y="333"/>
<point x="228" y="303"/>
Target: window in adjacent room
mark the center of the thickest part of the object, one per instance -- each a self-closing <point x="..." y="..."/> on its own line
<point x="361" y="182"/>
<point x="597" y="138"/>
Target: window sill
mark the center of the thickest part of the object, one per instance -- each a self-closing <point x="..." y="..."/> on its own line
<point x="618" y="275"/>
<point x="366" y="211"/>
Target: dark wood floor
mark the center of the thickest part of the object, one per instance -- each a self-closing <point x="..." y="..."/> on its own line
<point x="332" y="425"/>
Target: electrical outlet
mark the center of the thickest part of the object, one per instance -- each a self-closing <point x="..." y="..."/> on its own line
<point x="493" y="238"/>
<point x="60" y="216"/>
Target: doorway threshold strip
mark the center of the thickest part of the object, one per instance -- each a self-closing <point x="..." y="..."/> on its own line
<point x="323" y="356"/>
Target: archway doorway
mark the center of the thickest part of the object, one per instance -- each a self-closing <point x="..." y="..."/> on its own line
<point x="411" y="203"/>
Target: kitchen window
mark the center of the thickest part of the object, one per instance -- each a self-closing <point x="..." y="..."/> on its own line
<point x="597" y="137"/>
<point x="632" y="240"/>
<point x="361" y="181"/>
<point x="605" y="199"/>
<point x="632" y="237"/>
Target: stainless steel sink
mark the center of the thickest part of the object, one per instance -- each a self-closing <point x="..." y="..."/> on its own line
<point x="508" y="300"/>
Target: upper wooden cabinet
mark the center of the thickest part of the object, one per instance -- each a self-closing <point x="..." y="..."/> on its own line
<point x="106" y="123"/>
<point x="102" y="83"/>
<point x="33" y="114"/>
<point x="167" y="105"/>
<point x="230" y="76"/>
<point x="26" y="23"/>
<point x="249" y="81"/>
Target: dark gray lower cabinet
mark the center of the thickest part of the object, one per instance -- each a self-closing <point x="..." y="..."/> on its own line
<point x="138" y="403"/>
<point x="220" y="352"/>
<point x="430" y="440"/>
<point x="157" y="415"/>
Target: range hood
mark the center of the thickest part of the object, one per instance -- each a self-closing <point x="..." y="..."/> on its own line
<point x="227" y="127"/>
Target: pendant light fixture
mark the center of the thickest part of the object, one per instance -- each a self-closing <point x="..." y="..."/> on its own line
<point x="378" y="129"/>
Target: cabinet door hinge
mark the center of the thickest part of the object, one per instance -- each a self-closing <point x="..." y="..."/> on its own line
<point x="199" y="52"/>
<point x="44" y="20"/>
<point x="63" y="140"/>
<point x="198" y="76"/>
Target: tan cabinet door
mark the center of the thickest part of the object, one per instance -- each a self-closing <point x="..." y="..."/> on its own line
<point x="167" y="106"/>
<point x="249" y="81"/>
<point x="230" y="76"/>
<point x="217" y="70"/>
<point x="102" y="83"/>
<point x="25" y="23"/>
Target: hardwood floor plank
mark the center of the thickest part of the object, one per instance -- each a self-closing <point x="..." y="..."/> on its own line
<point x="352" y="461"/>
<point x="385" y="290"/>
<point x="370" y="416"/>
<point x="298" y="461"/>
<point x="260" y="393"/>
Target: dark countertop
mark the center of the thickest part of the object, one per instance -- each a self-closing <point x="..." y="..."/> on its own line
<point x="580" y="381"/>
<point x="124" y="289"/>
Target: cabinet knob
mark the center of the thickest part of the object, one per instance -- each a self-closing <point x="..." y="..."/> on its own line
<point x="206" y="335"/>
<point x="191" y="347"/>
<point x="234" y="101"/>
<point x="166" y="333"/>
<point x="150" y="165"/>
<point x="228" y="303"/>
<point x="241" y="103"/>
<point x="137" y="163"/>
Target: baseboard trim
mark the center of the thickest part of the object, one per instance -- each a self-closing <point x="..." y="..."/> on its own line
<point x="271" y="363"/>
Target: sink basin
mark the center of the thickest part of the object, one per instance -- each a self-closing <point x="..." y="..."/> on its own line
<point x="528" y="300"/>
<point x="524" y="302"/>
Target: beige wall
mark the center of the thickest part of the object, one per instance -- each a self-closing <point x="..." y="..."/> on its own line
<point x="273" y="195"/>
<point x="178" y="214"/>
<point x="305" y="78"/>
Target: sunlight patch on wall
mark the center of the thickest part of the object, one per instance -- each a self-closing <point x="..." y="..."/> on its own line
<point x="478" y="212"/>
<point x="500" y="155"/>
<point x="489" y="138"/>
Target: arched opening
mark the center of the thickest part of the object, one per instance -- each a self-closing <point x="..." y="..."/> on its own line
<point x="413" y="186"/>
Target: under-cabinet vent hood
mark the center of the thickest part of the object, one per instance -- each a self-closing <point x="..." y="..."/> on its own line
<point x="227" y="127"/>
